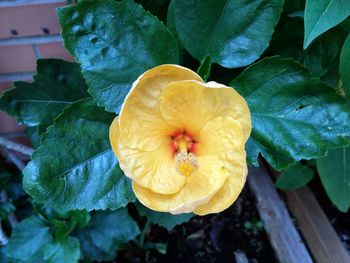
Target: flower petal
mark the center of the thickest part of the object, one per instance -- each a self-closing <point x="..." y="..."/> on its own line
<point x="226" y="196"/>
<point x="191" y="104"/>
<point x="222" y="139"/>
<point x="141" y="122"/>
<point x="199" y="188"/>
<point x="153" y="170"/>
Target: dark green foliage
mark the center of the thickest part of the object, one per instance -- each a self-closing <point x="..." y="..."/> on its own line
<point x="115" y="42"/>
<point x="57" y="85"/>
<point x="296" y="93"/>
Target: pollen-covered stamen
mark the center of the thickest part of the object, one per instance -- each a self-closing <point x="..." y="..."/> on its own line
<point x="183" y="146"/>
<point x="185" y="163"/>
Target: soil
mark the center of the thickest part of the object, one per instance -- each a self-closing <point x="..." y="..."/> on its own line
<point x="212" y="238"/>
<point x="339" y="220"/>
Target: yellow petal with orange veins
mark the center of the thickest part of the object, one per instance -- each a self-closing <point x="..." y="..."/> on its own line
<point x="222" y="138"/>
<point x="153" y="170"/>
<point x="141" y="122"/>
<point x="199" y="188"/>
<point x="191" y="104"/>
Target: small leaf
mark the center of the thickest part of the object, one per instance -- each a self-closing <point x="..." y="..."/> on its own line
<point x="294" y="116"/>
<point x="105" y="233"/>
<point x="234" y="33"/>
<point x="67" y="251"/>
<point x="28" y="240"/>
<point x="74" y="167"/>
<point x="166" y="220"/>
<point x="344" y="67"/>
<point x="204" y="68"/>
<point x="319" y="57"/>
<point x="322" y="15"/>
<point x="115" y="42"/>
<point x="334" y="170"/>
<point x="57" y="85"/>
<point x="294" y="177"/>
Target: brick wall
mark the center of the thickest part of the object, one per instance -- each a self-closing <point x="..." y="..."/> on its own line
<point x="29" y="30"/>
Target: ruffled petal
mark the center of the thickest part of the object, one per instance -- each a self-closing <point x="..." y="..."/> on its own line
<point x="154" y="170"/>
<point x="227" y="195"/>
<point x="189" y="105"/>
<point x="141" y="123"/>
<point x="222" y="139"/>
<point x="199" y="188"/>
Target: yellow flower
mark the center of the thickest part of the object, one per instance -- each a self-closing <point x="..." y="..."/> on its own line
<point x="181" y="141"/>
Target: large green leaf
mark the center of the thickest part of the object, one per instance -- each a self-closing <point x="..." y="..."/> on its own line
<point x="67" y="251"/>
<point x="294" y="177"/>
<point x="344" y="67"/>
<point x="57" y="84"/>
<point x="294" y="116"/>
<point x="234" y="33"/>
<point x="322" y="15"/>
<point x="28" y="240"/>
<point x="105" y="233"/>
<point x="115" y="42"/>
<point x="74" y="167"/>
<point x="166" y="220"/>
<point x="334" y="170"/>
<point x="3" y="255"/>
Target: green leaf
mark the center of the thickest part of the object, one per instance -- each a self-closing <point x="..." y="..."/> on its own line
<point x="166" y="220"/>
<point x="115" y="42"/>
<point x="74" y="167"/>
<point x="106" y="232"/>
<point x="67" y="251"/>
<point x="334" y="170"/>
<point x="3" y="255"/>
<point x="57" y="85"/>
<point x="322" y="15"/>
<point x="294" y="177"/>
<point x="204" y="68"/>
<point x="294" y="116"/>
<point x="28" y="240"/>
<point x="344" y="67"/>
<point x="319" y="57"/>
<point x="234" y="33"/>
<point x="156" y="7"/>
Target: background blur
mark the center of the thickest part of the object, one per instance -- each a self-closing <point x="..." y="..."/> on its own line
<point x="29" y="30"/>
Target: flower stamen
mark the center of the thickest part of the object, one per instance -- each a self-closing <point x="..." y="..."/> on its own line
<point x="186" y="163"/>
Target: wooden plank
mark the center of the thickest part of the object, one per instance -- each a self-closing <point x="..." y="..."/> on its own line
<point x="284" y="237"/>
<point x="30" y="40"/>
<point x="11" y="3"/>
<point x="318" y="232"/>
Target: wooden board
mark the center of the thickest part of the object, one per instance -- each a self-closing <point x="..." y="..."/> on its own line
<point x="318" y="232"/>
<point x="284" y="237"/>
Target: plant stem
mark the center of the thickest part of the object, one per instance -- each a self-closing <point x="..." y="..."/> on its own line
<point x="16" y="146"/>
<point x="144" y="232"/>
